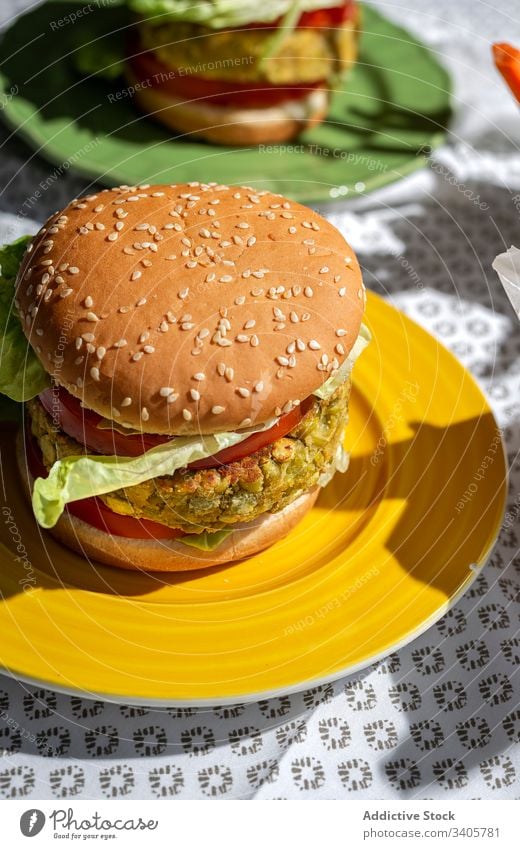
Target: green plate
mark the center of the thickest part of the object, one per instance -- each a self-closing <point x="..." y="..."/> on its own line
<point x="395" y="105"/>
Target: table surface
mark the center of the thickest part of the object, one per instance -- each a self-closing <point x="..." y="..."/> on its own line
<point x="440" y="718"/>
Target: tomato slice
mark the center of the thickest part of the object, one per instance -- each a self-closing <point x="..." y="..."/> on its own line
<point x="95" y="512"/>
<point x="331" y="17"/>
<point x="148" y="68"/>
<point x="81" y="424"/>
<point x="257" y="441"/>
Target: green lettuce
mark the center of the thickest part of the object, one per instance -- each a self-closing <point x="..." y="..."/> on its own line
<point x="22" y="376"/>
<point x="76" y="477"/>
<point x="205" y="541"/>
<point x="220" y="13"/>
<point x="329" y="387"/>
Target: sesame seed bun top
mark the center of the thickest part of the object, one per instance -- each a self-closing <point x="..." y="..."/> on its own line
<point x="190" y="308"/>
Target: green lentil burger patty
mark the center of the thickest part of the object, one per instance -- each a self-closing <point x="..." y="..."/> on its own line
<point x="305" y="55"/>
<point x="211" y="499"/>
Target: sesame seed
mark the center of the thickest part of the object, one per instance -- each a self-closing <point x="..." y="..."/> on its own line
<point x="339" y="349"/>
<point x="258" y="387"/>
<point x="245" y="423"/>
<point x="342" y="292"/>
<point x="217" y="409"/>
<point x="88" y="337"/>
<point x="203" y="333"/>
<point x="148" y="349"/>
<point x="291" y="347"/>
<point x="100" y="353"/>
<point x="136" y="275"/>
<point x="112" y="237"/>
<point x="91" y="316"/>
<point x="324" y="269"/>
<point x="120" y="343"/>
<point x="199" y="376"/>
<point x="305" y="316"/>
<point x="91" y="348"/>
<point x="145" y="415"/>
<point x="341" y="332"/>
<point x="254" y="341"/>
<point x="314" y="346"/>
<point x="88" y="302"/>
<point x="144" y="336"/>
<point x="242" y="337"/>
<point x="226" y="279"/>
<point x="195" y="395"/>
<point x="119" y="225"/>
<point x="249" y="324"/>
<point x="300" y="345"/>
<point x="164" y="326"/>
<point x="308" y="292"/>
<point x="99" y="226"/>
<point x="239" y="300"/>
<point x="78" y="361"/>
<point x="224" y="343"/>
<point x="243" y="392"/>
<point x="66" y="292"/>
<point x="172" y="398"/>
<point x="166" y="391"/>
<point x="187" y="416"/>
<point x="126" y="402"/>
<point x="229" y="374"/>
<point x="39" y="331"/>
<point x="141" y="302"/>
<point x="94" y="373"/>
<point x="283" y="361"/>
<point x="136" y="357"/>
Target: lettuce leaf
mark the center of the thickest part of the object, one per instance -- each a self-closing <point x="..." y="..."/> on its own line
<point x="76" y="477"/>
<point x="343" y="373"/>
<point x="206" y="541"/>
<point x="22" y="376"/>
<point x="219" y="13"/>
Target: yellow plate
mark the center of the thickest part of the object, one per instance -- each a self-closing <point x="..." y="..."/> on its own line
<point x="389" y="546"/>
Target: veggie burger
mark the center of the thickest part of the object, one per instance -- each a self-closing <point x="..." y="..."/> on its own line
<point x="240" y="72"/>
<point x="188" y="370"/>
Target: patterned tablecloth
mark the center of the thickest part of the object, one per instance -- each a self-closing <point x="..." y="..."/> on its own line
<point x="440" y="718"/>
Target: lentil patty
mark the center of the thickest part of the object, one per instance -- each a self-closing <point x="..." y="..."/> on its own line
<point x="305" y="55"/>
<point x="211" y="499"/>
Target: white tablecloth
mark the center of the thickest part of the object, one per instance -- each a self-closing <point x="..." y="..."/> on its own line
<point x="440" y="718"/>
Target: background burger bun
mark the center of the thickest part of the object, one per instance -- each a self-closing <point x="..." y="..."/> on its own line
<point x="170" y="555"/>
<point x="194" y="308"/>
<point x="231" y="125"/>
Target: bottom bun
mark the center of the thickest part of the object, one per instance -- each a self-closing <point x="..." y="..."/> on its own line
<point x="150" y="555"/>
<point x="231" y="125"/>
